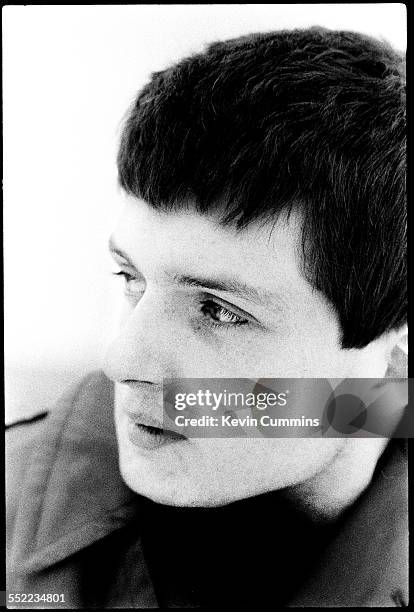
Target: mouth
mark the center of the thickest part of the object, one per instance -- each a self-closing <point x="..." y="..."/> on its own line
<point x="147" y="432"/>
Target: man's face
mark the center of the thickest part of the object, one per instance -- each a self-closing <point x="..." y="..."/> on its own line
<point x="203" y="301"/>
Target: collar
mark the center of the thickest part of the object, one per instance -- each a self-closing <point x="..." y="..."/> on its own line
<point x="366" y="564"/>
<point x="73" y="493"/>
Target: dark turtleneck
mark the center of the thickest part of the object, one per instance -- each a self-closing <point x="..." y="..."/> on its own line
<point x="250" y="552"/>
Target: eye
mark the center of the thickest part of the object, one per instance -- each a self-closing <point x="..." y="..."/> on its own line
<point x="132" y="285"/>
<point x="220" y="316"/>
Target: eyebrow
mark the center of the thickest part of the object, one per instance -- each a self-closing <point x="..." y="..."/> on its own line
<point x="223" y="283"/>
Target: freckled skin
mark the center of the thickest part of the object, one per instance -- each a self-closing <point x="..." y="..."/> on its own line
<point x="295" y="333"/>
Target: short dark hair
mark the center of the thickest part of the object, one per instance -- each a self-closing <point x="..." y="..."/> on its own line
<point x="311" y="118"/>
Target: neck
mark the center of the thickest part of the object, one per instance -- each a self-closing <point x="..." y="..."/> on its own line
<point x="325" y="496"/>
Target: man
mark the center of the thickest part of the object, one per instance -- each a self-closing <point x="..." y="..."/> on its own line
<point x="262" y="237"/>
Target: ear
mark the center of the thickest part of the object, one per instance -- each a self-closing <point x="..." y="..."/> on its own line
<point x="397" y="353"/>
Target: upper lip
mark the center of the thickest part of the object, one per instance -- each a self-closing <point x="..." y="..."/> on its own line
<point x="144" y="419"/>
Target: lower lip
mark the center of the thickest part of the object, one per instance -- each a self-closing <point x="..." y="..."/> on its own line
<point x="144" y="438"/>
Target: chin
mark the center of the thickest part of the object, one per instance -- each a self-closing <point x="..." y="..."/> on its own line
<point x="180" y="492"/>
<point x="171" y="490"/>
<point x="167" y="493"/>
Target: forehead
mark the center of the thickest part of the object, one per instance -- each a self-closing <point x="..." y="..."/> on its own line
<point x="267" y="256"/>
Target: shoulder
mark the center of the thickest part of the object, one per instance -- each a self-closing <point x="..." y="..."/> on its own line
<point x="23" y="434"/>
<point x="25" y="437"/>
<point x="366" y="563"/>
<point x="20" y="441"/>
<point x="21" y="437"/>
<point x="65" y="491"/>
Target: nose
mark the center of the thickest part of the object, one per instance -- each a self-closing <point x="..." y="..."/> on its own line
<point x="144" y="347"/>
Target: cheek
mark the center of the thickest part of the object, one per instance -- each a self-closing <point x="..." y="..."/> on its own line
<point x="299" y="459"/>
<point x="278" y="358"/>
<point x="307" y="347"/>
<point x="258" y="465"/>
<point x="304" y="353"/>
<point x="125" y="311"/>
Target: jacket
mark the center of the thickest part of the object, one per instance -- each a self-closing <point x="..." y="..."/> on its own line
<point x="72" y="522"/>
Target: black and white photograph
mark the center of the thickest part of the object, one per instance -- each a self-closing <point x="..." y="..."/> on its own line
<point x="205" y="306"/>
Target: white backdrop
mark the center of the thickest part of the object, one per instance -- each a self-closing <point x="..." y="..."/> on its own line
<point x="70" y="73"/>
